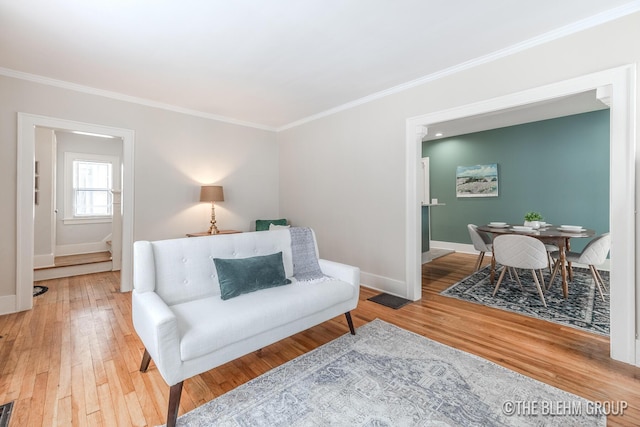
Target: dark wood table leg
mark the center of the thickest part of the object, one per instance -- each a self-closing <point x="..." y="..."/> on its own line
<point x="565" y="285"/>
<point x="568" y="246"/>
<point x="493" y="268"/>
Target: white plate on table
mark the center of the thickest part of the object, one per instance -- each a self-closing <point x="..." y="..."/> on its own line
<point x="571" y="228"/>
<point x="522" y="228"/>
<point x="498" y="225"/>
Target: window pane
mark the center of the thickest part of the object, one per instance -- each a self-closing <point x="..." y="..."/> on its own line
<point x="91" y="185"/>
<point x="93" y="202"/>
<point x="93" y="175"/>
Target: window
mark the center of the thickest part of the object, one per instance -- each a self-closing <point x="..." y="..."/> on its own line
<point x="88" y="183"/>
<point x="91" y="185"/>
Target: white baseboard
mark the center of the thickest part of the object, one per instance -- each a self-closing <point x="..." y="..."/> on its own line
<point x="435" y="253"/>
<point x="7" y="304"/>
<point x="46" y="260"/>
<point x="469" y="249"/>
<point x="457" y="247"/>
<point x="383" y="284"/>
<point x="82" y="248"/>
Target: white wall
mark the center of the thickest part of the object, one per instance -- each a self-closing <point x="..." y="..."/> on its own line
<point x="345" y="174"/>
<point x="174" y="155"/>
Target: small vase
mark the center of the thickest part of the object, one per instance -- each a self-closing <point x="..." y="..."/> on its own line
<point x="532" y="224"/>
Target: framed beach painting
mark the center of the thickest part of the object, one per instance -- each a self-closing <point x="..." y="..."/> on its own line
<point x="477" y="181"/>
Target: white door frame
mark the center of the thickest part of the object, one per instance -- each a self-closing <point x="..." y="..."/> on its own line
<point x="25" y="208"/>
<point x="621" y="82"/>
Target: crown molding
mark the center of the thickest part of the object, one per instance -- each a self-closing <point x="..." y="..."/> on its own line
<point x="127" y="98"/>
<point x="573" y="28"/>
<point x="584" y="24"/>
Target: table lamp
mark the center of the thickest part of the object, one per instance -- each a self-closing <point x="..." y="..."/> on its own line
<point x="212" y="193"/>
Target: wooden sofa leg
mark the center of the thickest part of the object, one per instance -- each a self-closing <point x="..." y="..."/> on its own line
<point x="174" y="404"/>
<point x="350" y="322"/>
<point x="146" y="358"/>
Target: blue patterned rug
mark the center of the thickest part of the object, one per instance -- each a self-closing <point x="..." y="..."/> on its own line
<point x="583" y="309"/>
<point x="386" y="376"/>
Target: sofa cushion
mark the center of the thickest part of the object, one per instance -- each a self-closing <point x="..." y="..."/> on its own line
<point x="239" y="276"/>
<point x="263" y="224"/>
<point x="184" y="269"/>
<point x="278" y="227"/>
<point x="208" y="324"/>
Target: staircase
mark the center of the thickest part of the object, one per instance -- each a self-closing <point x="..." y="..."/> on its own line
<point x="75" y="265"/>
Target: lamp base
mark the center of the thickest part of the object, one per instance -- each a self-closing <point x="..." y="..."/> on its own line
<point x="213" y="229"/>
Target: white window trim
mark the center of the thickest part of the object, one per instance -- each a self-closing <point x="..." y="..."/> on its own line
<point x="69" y="158"/>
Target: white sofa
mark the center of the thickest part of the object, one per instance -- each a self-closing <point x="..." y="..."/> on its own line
<point x="187" y="328"/>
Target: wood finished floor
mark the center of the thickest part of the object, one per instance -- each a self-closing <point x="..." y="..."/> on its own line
<point x="74" y="358"/>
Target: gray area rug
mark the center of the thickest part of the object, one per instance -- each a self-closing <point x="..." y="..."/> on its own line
<point x="387" y="376"/>
<point x="583" y="309"/>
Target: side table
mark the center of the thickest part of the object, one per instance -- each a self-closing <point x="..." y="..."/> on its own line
<point x="206" y="233"/>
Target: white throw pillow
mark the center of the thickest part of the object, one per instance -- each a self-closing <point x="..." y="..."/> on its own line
<point x="278" y="227"/>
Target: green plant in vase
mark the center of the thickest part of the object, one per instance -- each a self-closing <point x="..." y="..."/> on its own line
<point x="532" y="219"/>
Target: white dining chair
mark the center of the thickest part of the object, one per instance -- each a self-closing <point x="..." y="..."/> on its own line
<point x="516" y="251"/>
<point x="481" y="242"/>
<point x="595" y="253"/>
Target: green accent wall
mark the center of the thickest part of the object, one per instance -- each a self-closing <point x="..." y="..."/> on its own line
<point x="558" y="167"/>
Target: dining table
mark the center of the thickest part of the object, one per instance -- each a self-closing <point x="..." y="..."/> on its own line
<point x="555" y="235"/>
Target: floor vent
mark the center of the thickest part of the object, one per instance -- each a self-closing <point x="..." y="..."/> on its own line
<point x="391" y="301"/>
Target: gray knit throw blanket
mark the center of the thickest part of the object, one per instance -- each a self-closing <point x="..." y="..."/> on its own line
<point x="303" y="253"/>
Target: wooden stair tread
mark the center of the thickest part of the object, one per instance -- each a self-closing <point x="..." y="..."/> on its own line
<point x="80" y="259"/>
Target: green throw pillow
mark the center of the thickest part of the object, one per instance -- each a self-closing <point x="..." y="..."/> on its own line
<point x="263" y="224"/>
<point x="243" y="275"/>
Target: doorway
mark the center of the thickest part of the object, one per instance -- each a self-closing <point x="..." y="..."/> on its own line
<point x="27" y="123"/>
<point x="77" y="207"/>
<point x="620" y="83"/>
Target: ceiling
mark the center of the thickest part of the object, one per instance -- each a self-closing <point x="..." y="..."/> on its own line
<point x="271" y="64"/>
